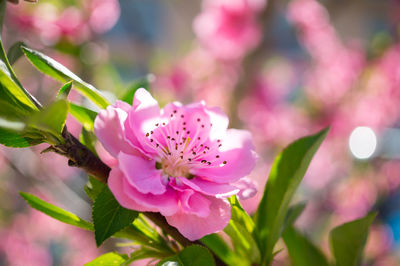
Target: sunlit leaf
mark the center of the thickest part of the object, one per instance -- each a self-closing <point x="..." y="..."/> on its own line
<point x="64" y="91"/>
<point x="85" y="116"/>
<point x="56" y="212"/>
<point x="108" y="259"/>
<point x="51" y="119"/>
<point x="59" y="72"/>
<point x="286" y="174"/>
<point x="10" y="138"/>
<point x="240" y="230"/>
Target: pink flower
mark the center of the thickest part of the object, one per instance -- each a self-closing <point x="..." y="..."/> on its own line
<point x="180" y="161"/>
<point x="229" y="28"/>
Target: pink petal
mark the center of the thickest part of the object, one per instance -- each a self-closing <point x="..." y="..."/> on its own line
<point x="194" y="227"/>
<point x="248" y="188"/>
<point x="193" y="202"/>
<point x="219" y="121"/>
<point x="238" y="151"/>
<point x="105" y="156"/>
<point x="115" y="183"/>
<point x="197" y="121"/>
<point x="109" y="128"/>
<point x="210" y="188"/>
<point x="144" y="113"/>
<point x="141" y="173"/>
<point x="166" y="204"/>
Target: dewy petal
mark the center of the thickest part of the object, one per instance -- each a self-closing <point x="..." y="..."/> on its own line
<point x="238" y="152"/>
<point x="116" y="185"/>
<point x="194" y="227"/>
<point x="210" y="188"/>
<point x="109" y="128"/>
<point x="195" y="203"/>
<point x="144" y="113"/>
<point x="166" y="204"/>
<point x="141" y="173"/>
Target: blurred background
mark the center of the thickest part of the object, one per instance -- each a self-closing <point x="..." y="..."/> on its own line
<point x="281" y="69"/>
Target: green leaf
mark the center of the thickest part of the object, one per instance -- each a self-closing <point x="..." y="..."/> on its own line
<point x="108" y="259"/>
<point x="59" y="72"/>
<point x="286" y="174"/>
<point x="193" y="255"/>
<point x="109" y="217"/>
<point x="144" y="253"/>
<point x="130" y="93"/>
<point x="56" y="212"/>
<point x="13" y="139"/>
<point x="217" y="245"/>
<point x="301" y="250"/>
<point x="15" y="52"/>
<point x="239" y="215"/>
<point x="88" y="138"/>
<point x="347" y="241"/>
<point x="64" y="91"/>
<point x="11" y="84"/>
<point x="293" y="213"/>
<point x="85" y="116"/>
<point x="240" y="230"/>
<point x="12" y="125"/>
<point x="20" y="97"/>
<point x="51" y="120"/>
<point x="93" y="188"/>
<point x="11" y="112"/>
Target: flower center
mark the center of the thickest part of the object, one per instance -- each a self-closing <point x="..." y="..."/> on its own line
<point x="174" y="168"/>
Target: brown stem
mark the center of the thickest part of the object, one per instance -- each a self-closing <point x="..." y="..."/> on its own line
<point x="80" y="156"/>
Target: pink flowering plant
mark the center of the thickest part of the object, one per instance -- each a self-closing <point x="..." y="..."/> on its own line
<point x="170" y="180"/>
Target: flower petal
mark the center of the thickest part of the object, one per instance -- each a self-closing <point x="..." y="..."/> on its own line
<point x="219" y="121"/>
<point x="238" y="152"/>
<point x="193" y="202"/>
<point x="109" y="128"/>
<point x="115" y="183"/>
<point x="141" y="173"/>
<point x="210" y="188"/>
<point x="144" y="113"/>
<point x="166" y="204"/>
<point x="194" y="227"/>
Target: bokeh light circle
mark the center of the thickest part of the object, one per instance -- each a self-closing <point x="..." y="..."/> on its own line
<point x="362" y="142"/>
